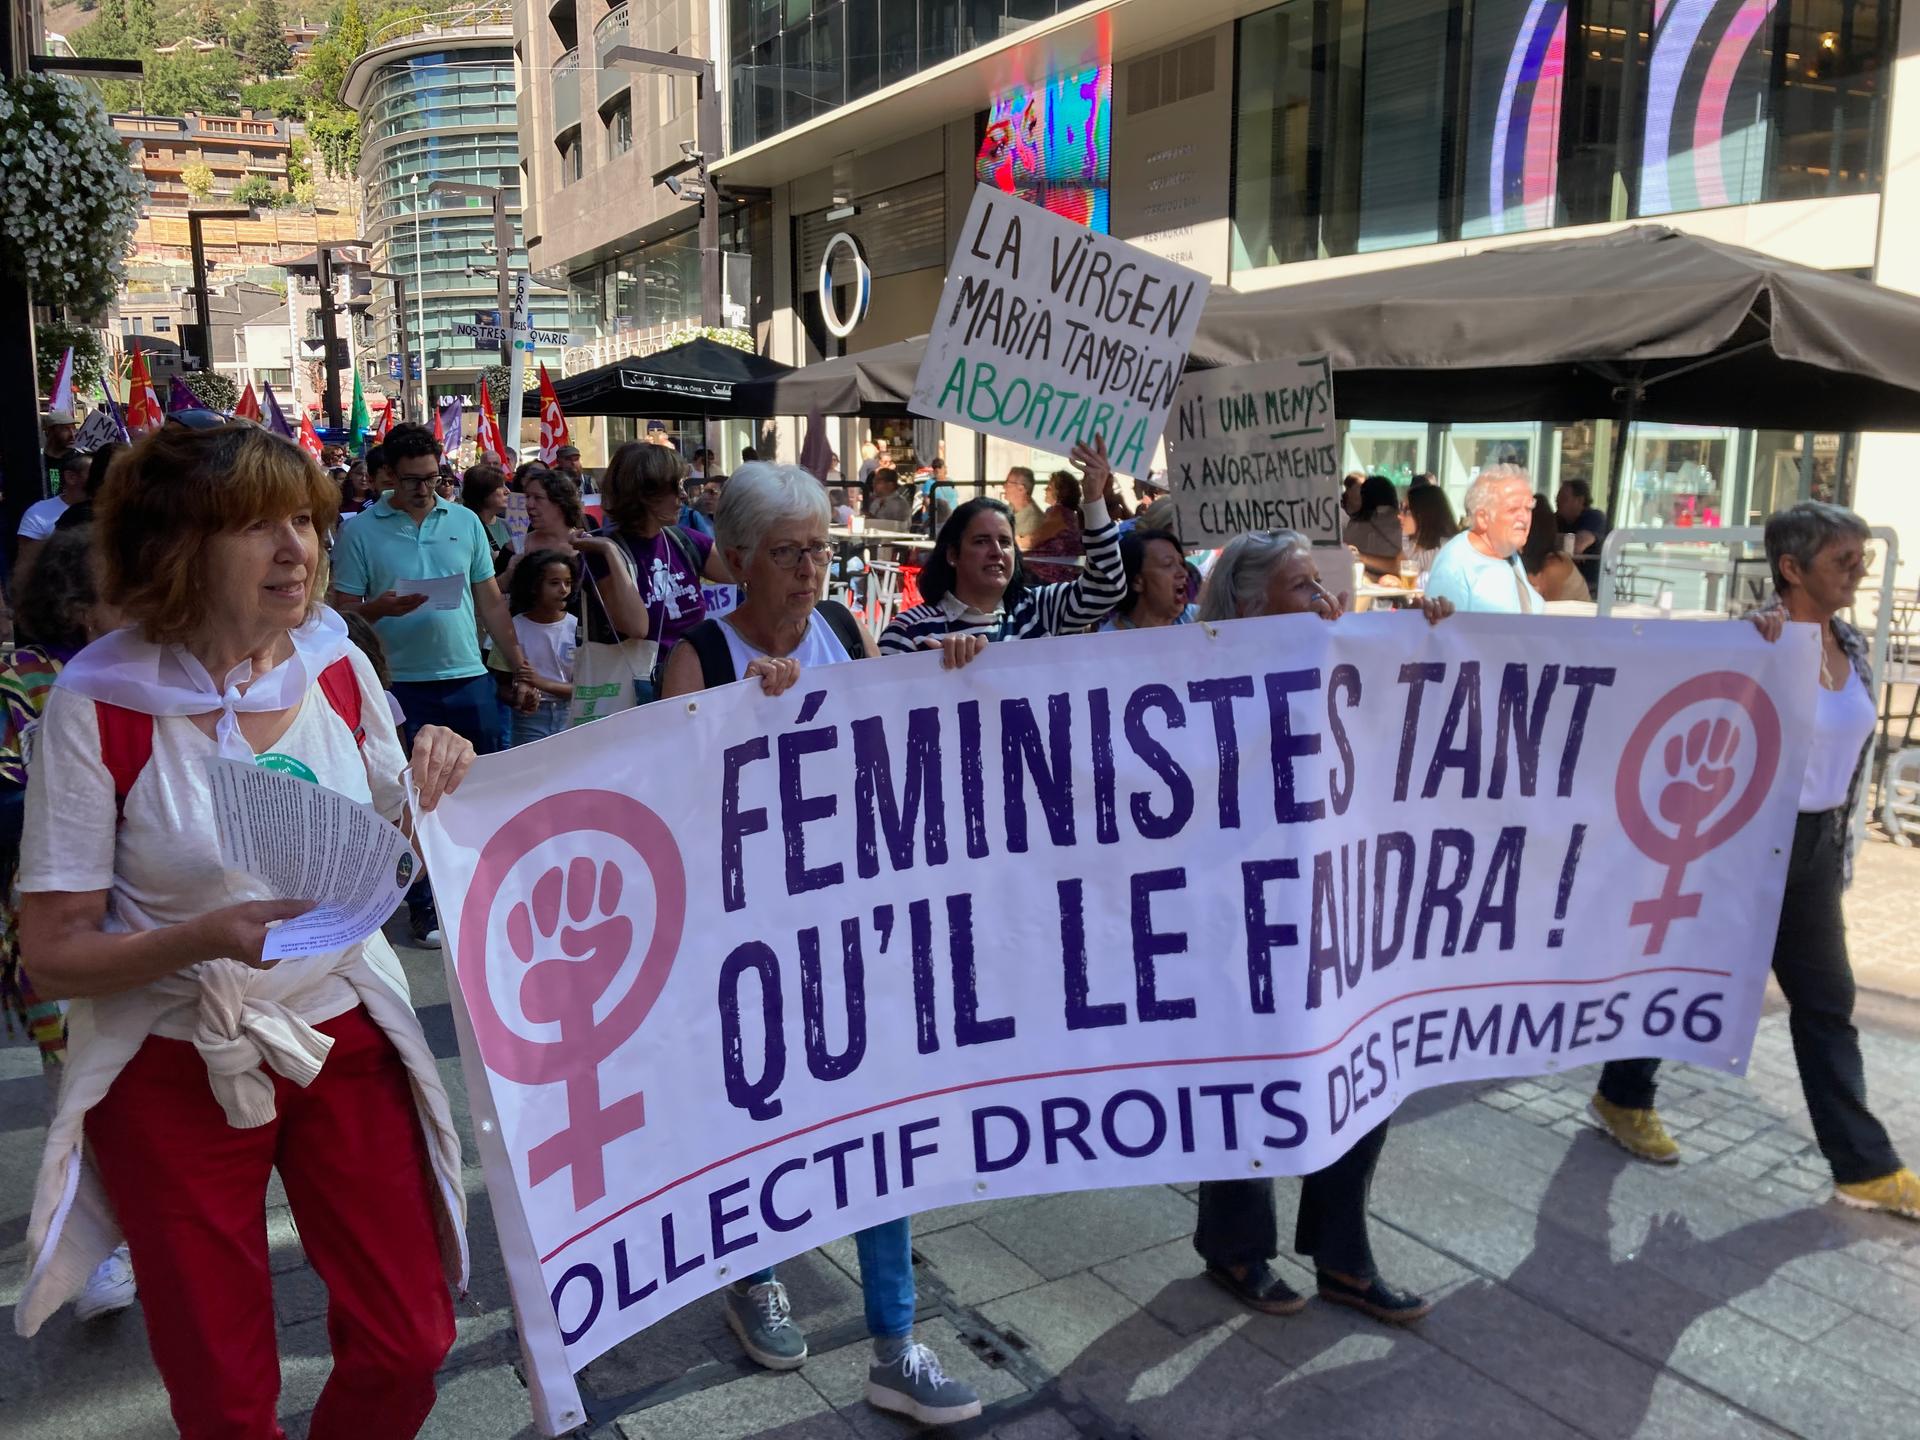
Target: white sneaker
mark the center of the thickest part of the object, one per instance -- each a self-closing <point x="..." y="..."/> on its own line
<point x="428" y="941"/>
<point x="109" y="1289"/>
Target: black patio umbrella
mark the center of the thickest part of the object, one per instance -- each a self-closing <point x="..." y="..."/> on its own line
<point x="1644" y="323"/>
<point x="872" y="382"/>
<point x="699" y="378"/>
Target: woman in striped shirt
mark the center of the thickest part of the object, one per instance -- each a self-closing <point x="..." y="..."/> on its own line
<point x="976" y="591"/>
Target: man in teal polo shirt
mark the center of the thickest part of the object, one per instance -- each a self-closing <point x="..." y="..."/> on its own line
<point x="439" y="676"/>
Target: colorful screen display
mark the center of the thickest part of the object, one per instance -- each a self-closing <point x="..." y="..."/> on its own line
<point x="1052" y="144"/>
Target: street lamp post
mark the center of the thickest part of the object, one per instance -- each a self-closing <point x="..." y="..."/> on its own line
<point x="202" y="305"/>
<point x="502" y="246"/>
<point x="707" y="148"/>
<point x="400" y="321"/>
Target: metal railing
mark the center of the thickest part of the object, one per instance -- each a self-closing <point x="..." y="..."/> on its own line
<point x="483" y="14"/>
<point x="566" y="91"/>
<point x="611" y="31"/>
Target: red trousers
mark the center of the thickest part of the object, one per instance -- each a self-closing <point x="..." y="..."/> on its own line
<point x="189" y="1191"/>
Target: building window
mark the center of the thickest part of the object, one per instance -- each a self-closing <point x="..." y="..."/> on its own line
<point x="572" y="162"/>
<point x="161" y="325"/>
<point x="620" y="127"/>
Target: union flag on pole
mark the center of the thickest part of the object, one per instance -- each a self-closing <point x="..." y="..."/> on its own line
<point x="553" y="421"/>
<point x="144" y="415"/>
<point x="309" y="437"/>
<point x="490" y="441"/>
<point x="386" y="423"/>
<point x="249" y="406"/>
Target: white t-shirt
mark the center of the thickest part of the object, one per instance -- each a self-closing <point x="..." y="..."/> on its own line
<point x="1842" y="721"/>
<point x="40" y="518"/>
<point x="162" y="866"/>
<point x="548" y="648"/>
<point x="820" y="646"/>
<point x="1475" y="581"/>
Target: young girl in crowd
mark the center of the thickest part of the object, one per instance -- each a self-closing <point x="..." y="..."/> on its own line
<point x="538" y="596"/>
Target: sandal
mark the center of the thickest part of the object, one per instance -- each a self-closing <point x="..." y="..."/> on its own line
<point x="1375" y="1298"/>
<point x="1260" y="1289"/>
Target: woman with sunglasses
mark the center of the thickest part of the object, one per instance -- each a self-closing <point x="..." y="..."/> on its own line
<point x="976" y="589"/>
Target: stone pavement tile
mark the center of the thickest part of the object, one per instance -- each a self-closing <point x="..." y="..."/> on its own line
<point x="298" y="1295"/>
<point x="1060" y="1234"/>
<point x="942" y="1217"/>
<point x="1680" y="1411"/>
<point x="1410" y="1265"/>
<point x="1061" y="1320"/>
<point x="666" y="1350"/>
<point x="841" y="1375"/>
<point x="1435" y="1398"/>
<point x="1564" y="1369"/>
<point x="1799" y="1387"/>
<point x="1169" y="1282"/>
<point x="283" y="1241"/>
<point x="1877" y="1348"/>
<point x="973" y="1266"/>
<point x="1210" y="1386"/>
<point x="1036" y="1425"/>
<point x="1333" y="1348"/>
<point x="1856" y="1283"/>
<point x="763" y="1404"/>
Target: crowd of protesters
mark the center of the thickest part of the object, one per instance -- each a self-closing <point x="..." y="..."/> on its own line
<point x="230" y="597"/>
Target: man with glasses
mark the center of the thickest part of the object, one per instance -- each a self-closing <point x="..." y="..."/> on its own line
<point x="433" y="648"/>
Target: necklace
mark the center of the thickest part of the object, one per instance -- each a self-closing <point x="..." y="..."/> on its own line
<point x="1828" y="680"/>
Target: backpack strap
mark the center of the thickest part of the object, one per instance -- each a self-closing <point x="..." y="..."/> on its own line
<point x="716" y="660"/>
<point x="342" y="689"/>
<point x="845" y="628"/>
<point x="126" y="745"/>
<point x="689" y="552"/>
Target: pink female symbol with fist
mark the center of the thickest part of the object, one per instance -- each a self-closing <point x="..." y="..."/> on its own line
<point x="1699" y="767"/>
<point x="569" y="937"/>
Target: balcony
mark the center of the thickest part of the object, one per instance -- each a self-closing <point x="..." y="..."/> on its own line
<point x="608" y="33"/>
<point x="566" y="93"/>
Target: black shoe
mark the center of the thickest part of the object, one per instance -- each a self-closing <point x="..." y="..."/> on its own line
<point x="1375" y="1298"/>
<point x="1260" y="1289"/>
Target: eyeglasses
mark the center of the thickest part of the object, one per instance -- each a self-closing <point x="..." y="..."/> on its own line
<point x="787" y="557"/>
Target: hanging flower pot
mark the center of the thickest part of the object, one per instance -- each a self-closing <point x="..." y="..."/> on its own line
<point x="69" y="197"/>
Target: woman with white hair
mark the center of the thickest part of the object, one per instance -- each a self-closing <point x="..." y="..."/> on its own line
<point x="1272" y="572"/>
<point x="771" y="530"/>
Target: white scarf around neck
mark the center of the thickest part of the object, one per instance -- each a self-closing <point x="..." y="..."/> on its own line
<point x="126" y="669"/>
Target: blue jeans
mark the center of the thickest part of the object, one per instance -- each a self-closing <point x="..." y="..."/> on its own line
<point x="886" y="1278"/>
<point x="548" y="718"/>
<point x="470" y="707"/>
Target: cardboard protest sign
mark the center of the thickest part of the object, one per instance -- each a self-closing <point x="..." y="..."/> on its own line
<point x="1050" y="334"/>
<point x="902" y="938"/>
<point x="1253" y="447"/>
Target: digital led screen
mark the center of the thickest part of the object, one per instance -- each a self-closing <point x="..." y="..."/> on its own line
<point x="1051" y="144"/>
<point x="1519" y="67"/>
<point x="1706" y="137"/>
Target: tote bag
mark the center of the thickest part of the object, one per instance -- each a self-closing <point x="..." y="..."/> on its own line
<point x="604" y="674"/>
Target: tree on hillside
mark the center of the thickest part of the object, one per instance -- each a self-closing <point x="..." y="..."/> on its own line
<point x="143" y="28"/>
<point x="259" y="190"/>
<point x="114" y="14"/>
<point x="266" y="45"/>
<point x="285" y="97"/>
<point x="208" y="22"/>
<point x="187" y="80"/>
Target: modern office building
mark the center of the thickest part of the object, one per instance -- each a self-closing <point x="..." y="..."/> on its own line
<point x="1263" y="145"/>
<point x="435" y="96"/>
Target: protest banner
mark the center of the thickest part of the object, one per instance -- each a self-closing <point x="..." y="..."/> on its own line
<point x="1104" y="910"/>
<point x="1253" y="447"/>
<point x="1050" y="334"/>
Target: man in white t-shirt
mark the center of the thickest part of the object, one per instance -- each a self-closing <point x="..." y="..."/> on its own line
<point x="1479" y="569"/>
<point x="41" y="516"/>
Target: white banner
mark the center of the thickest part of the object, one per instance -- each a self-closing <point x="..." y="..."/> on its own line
<point x="1109" y="910"/>
<point x="1254" y="447"/>
<point x="1049" y="333"/>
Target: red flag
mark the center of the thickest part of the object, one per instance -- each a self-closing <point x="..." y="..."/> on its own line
<point x="553" y="421"/>
<point x="386" y="423"/>
<point x="144" y="415"/>
<point x="490" y="441"/>
<point x="309" y="437"/>
<point x="249" y="406"/>
<point x="439" y="430"/>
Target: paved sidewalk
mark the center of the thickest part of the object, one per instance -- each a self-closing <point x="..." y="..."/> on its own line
<point x="1881" y="911"/>
<point x="1579" y="1294"/>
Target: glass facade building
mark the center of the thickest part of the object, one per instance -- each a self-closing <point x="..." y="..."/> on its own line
<point x="432" y="114"/>
<point x="1373" y="124"/>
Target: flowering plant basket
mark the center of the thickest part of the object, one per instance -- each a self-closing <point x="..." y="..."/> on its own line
<point x="69" y="197"/>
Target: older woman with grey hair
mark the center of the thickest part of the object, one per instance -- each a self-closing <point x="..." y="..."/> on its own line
<point x="771" y="530"/>
<point x="1272" y="572"/>
<point x="1818" y="554"/>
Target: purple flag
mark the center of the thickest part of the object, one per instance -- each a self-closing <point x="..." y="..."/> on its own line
<point x="270" y="407"/>
<point x="450" y="425"/>
<point x="179" y="397"/>
<point x="113" y="409"/>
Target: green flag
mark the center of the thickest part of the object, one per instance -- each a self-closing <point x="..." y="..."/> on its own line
<point x="361" y="420"/>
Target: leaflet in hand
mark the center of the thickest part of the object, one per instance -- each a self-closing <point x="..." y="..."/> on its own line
<point x="306" y="842"/>
<point x="443" y="592"/>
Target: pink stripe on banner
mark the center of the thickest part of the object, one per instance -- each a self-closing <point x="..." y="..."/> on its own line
<point x="1543" y="131"/>
<point x="1709" y="117"/>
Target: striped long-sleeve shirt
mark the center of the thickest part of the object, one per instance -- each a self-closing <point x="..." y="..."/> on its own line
<point x="1040" y="610"/>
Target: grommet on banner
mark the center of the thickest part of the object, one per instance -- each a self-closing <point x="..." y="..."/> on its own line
<point x="693" y="707"/>
<point x="1259" y="1164"/>
<point x="486" y="1127"/>
<point x="979" y="1187"/>
<point x="722" y="1270"/>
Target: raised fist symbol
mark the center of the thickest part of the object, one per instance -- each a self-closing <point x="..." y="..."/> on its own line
<point x="1701" y="764"/>
<point x="592" y="937"/>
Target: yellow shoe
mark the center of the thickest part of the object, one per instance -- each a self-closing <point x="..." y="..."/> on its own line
<point x="1638" y="1132"/>
<point x="1897" y="1194"/>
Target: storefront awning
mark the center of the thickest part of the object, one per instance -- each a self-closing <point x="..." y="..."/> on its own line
<point x="701" y="377"/>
